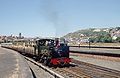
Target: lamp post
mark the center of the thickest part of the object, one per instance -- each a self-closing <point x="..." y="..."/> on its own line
<point x="79" y="44"/>
<point x="89" y="42"/>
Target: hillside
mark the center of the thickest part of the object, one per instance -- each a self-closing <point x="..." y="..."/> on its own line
<point x="94" y="33"/>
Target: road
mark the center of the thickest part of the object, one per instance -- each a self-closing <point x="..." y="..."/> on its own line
<point x="13" y="65"/>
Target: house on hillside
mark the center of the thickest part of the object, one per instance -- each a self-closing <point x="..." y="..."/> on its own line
<point x="96" y="30"/>
<point x="115" y="34"/>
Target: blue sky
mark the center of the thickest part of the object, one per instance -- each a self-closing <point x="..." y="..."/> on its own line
<point x="48" y="18"/>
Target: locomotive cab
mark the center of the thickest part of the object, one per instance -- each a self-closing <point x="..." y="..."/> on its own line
<point x="61" y="54"/>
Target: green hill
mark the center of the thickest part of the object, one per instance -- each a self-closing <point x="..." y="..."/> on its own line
<point x="95" y="34"/>
<point x="92" y="32"/>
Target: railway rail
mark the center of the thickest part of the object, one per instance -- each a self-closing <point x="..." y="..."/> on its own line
<point x="96" y="53"/>
<point x="79" y="69"/>
<point x="55" y="75"/>
<point x="86" y="70"/>
<point x="69" y="73"/>
<point x="95" y="71"/>
<point x="96" y="50"/>
<point x="59" y="72"/>
<point x="96" y="47"/>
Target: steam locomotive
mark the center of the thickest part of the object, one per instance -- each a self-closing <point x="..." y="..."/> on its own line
<point x="51" y="52"/>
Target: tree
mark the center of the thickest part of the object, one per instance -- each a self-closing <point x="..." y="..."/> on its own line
<point x="107" y="39"/>
<point x="118" y="28"/>
<point x="118" y="39"/>
<point x="92" y="40"/>
<point x="104" y="39"/>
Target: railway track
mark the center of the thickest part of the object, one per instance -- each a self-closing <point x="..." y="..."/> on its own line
<point x="96" y="53"/>
<point x="38" y="72"/>
<point x="80" y="69"/>
<point x="85" y="70"/>
<point x="96" y="47"/>
<point x="62" y="72"/>
<point x="68" y="73"/>
<point x="39" y="67"/>
<point x="95" y="71"/>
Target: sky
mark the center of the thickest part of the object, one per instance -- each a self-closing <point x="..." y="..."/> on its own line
<point x="55" y="18"/>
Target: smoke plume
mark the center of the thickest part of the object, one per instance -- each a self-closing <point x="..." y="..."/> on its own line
<point x="50" y="10"/>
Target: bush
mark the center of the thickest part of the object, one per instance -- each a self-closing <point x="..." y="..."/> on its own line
<point x="118" y="39"/>
<point x="104" y="39"/>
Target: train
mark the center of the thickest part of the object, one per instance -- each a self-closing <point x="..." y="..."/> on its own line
<point x="51" y="52"/>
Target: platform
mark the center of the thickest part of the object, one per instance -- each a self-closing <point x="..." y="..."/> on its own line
<point x="13" y="65"/>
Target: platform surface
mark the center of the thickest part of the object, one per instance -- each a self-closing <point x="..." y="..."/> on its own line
<point x="13" y="65"/>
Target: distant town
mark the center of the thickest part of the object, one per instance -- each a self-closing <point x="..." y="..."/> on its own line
<point x="19" y="37"/>
<point x="11" y="38"/>
<point x="105" y="35"/>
